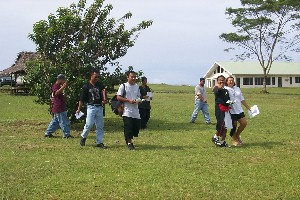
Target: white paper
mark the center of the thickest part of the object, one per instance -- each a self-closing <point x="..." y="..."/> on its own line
<point x="150" y="95"/>
<point x="139" y="100"/>
<point x="231" y="102"/>
<point x="78" y="115"/>
<point x="254" y="111"/>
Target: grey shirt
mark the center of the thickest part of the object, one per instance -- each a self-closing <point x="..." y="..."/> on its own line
<point x="200" y="90"/>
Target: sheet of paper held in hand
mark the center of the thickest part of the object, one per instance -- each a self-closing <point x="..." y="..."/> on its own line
<point x="150" y="95"/>
<point x="78" y="115"/>
<point x="254" y="111"/>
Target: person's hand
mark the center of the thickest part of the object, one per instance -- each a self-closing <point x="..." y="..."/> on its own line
<point x="78" y="111"/>
<point x="132" y="101"/>
<point x="65" y="85"/>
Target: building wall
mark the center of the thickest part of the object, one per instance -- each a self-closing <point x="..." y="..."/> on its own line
<point x="257" y="82"/>
<point x="274" y="81"/>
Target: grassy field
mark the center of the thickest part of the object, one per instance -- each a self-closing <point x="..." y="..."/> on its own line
<point x="173" y="159"/>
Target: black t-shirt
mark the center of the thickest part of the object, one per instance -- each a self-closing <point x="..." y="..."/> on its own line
<point x="92" y="94"/>
<point x="221" y="96"/>
<point x="143" y="91"/>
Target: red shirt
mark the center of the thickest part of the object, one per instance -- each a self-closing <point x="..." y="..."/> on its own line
<point x="58" y="101"/>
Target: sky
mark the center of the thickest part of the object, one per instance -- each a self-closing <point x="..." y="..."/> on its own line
<point x="179" y="48"/>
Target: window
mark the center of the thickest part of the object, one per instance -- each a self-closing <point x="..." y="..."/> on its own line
<point x="268" y="81"/>
<point x="260" y="81"/>
<point x="247" y="81"/>
<point x="273" y="80"/>
<point x="297" y="79"/>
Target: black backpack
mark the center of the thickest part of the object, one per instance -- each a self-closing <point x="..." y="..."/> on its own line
<point x="115" y="104"/>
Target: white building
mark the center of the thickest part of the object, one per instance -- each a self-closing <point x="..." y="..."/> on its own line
<point x="250" y="74"/>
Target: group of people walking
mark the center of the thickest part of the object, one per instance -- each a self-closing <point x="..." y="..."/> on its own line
<point x="135" y="115"/>
<point x="228" y="110"/>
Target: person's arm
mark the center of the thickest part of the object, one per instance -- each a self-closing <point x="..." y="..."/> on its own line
<point x="80" y="104"/>
<point x="82" y="98"/>
<point x="122" y="99"/>
<point x="246" y="105"/>
<point x="61" y="89"/>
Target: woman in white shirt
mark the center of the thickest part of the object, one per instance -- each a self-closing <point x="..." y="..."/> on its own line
<point x="237" y="112"/>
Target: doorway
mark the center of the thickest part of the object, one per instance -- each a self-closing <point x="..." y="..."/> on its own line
<point x="279" y="81"/>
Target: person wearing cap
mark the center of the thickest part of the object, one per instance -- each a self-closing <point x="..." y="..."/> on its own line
<point x="93" y="94"/>
<point x="59" y="109"/>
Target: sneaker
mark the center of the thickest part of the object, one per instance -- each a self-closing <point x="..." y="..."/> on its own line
<point x="130" y="146"/>
<point x="215" y="140"/>
<point x="68" y="136"/>
<point x="192" y="122"/>
<point x="49" y="135"/>
<point x="82" y="141"/>
<point x="224" y="144"/>
<point x="101" y="146"/>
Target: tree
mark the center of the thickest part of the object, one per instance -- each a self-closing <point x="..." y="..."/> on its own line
<point x="75" y="40"/>
<point x="266" y="31"/>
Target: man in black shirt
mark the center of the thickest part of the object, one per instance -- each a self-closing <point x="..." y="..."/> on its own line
<point x="221" y="106"/>
<point x="144" y="107"/>
<point x="93" y="94"/>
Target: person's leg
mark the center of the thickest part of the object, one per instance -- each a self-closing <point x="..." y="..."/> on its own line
<point x="136" y="125"/>
<point x="143" y="117"/>
<point x="64" y="123"/>
<point x="53" y="126"/>
<point x="128" y="136"/>
<point x="233" y="133"/>
<point x="205" y="113"/>
<point x="89" y="122"/>
<point x="99" y="125"/>
<point x="147" y="115"/>
<point x="242" y="126"/>
<point x="196" y="111"/>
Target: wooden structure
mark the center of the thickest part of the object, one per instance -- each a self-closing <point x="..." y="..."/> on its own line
<point x="18" y="70"/>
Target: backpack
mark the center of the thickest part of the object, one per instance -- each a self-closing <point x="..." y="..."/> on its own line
<point x="117" y="106"/>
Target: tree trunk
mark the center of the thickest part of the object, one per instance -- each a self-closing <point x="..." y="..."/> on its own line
<point x="264" y="90"/>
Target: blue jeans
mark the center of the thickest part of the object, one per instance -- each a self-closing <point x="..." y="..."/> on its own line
<point x="59" y="119"/>
<point x="200" y="105"/>
<point x="94" y="116"/>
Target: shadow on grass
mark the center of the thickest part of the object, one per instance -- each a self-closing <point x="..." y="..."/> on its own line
<point x="151" y="147"/>
<point x="267" y="145"/>
<point x="116" y="125"/>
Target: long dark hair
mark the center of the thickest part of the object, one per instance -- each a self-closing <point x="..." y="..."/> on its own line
<point x="227" y="80"/>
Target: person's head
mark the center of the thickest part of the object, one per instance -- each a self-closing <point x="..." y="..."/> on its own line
<point x="131" y="77"/>
<point x="61" y="79"/>
<point x="230" y="81"/>
<point x="202" y="81"/>
<point x="144" y="80"/>
<point x="95" y="75"/>
<point x="221" y="80"/>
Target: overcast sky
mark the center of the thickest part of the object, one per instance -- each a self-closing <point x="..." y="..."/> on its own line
<point x="178" y="48"/>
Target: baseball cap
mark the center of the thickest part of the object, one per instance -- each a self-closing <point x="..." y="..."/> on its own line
<point x="61" y="77"/>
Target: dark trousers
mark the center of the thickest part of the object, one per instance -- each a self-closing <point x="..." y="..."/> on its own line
<point x="145" y="116"/>
<point x="131" y="127"/>
<point x="220" y="115"/>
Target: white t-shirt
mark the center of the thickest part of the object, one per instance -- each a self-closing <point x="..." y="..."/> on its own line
<point x="200" y="90"/>
<point x="236" y="94"/>
<point x="132" y="93"/>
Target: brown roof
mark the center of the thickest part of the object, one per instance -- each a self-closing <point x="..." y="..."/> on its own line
<point x="19" y="65"/>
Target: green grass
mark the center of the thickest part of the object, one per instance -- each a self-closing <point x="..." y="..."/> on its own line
<point x="173" y="159"/>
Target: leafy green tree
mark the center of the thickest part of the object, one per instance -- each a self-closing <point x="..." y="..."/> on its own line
<point x="75" y="40"/>
<point x="266" y="30"/>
